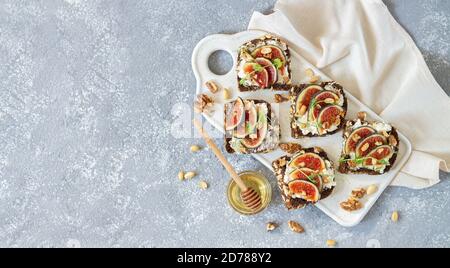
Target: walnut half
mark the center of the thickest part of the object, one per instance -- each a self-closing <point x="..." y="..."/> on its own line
<point x="270" y="226"/>
<point x="281" y="98"/>
<point x="351" y="204"/>
<point x="295" y="227"/>
<point x="290" y="147"/>
<point x="358" y="193"/>
<point x="203" y="103"/>
<point x="213" y="87"/>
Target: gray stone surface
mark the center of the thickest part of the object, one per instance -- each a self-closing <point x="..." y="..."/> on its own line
<point x="87" y="159"/>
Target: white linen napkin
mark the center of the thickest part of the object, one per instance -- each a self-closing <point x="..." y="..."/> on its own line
<point x="359" y="44"/>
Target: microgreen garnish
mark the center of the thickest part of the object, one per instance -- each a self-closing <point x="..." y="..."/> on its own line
<point x="311" y="177"/>
<point x="360" y="160"/>
<point x="248" y="128"/>
<point x="315" y="124"/>
<point x="277" y="63"/>
<point x="257" y="67"/>
<point x="312" y="103"/>
<point x="262" y="118"/>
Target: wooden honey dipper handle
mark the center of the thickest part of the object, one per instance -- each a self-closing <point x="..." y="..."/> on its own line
<point x="221" y="157"/>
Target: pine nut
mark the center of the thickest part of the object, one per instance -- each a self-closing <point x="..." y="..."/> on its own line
<point x="189" y="175"/>
<point x="372" y="189"/>
<point x="394" y="216"/>
<point x="331" y="243"/>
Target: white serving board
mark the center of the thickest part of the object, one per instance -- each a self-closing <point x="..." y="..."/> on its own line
<point x="331" y="144"/>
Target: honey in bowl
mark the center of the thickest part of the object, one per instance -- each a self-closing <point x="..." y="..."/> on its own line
<point x="256" y="181"/>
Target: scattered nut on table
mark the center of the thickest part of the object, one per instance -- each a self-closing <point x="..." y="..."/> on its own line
<point x="309" y="72"/>
<point x="270" y="226"/>
<point x="290" y="147"/>
<point x="189" y="175"/>
<point x="226" y="94"/>
<point x="351" y="204"/>
<point x="361" y="115"/>
<point x="212" y="86"/>
<point x="314" y="79"/>
<point x="358" y="193"/>
<point x="331" y="243"/>
<point x="394" y="216"/>
<point x="295" y="227"/>
<point x="181" y="175"/>
<point x="194" y="148"/>
<point x="372" y="189"/>
<point x="203" y="185"/>
<point x="281" y="98"/>
<point x="203" y="103"/>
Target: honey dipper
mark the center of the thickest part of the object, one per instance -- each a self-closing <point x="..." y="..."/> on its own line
<point x="249" y="196"/>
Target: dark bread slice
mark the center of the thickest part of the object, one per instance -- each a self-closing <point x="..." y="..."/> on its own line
<point x="279" y="166"/>
<point x="276" y="86"/>
<point x="346" y="169"/>
<point x="227" y="138"/>
<point x="296" y="132"/>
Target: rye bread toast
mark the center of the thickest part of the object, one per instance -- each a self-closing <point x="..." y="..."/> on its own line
<point x="279" y="79"/>
<point x="269" y="143"/>
<point x="280" y="166"/>
<point x="347" y="165"/>
<point x="314" y="127"/>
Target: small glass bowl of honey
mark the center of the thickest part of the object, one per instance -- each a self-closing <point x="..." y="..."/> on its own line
<point x="256" y="181"/>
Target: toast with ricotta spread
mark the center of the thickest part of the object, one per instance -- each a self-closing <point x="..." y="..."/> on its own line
<point x="264" y="63"/>
<point x="250" y="127"/>
<point x="304" y="176"/>
<point x="369" y="147"/>
<point x="317" y="109"/>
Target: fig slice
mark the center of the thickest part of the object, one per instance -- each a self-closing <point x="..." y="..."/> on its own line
<point x="247" y="127"/>
<point x="355" y="136"/>
<point x="235" y="115"/>
<point x="240" y="131"/>
<point x="307" y="174"/>
<point x="319" y="100"/>
<point x="307" y="160"/>
<point x="329" y="116"/>
<point x="269" y="52"/>
<point x="305" y="190"/>
<point x="364" y="146"/>
<point x="270" y="68"/>
<point x="257" y="73"/>
<point x="326" y="96"/>
<point x="304" y="98"/>
<point x="261" y="132"/>
<point x="383" y="152"/>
